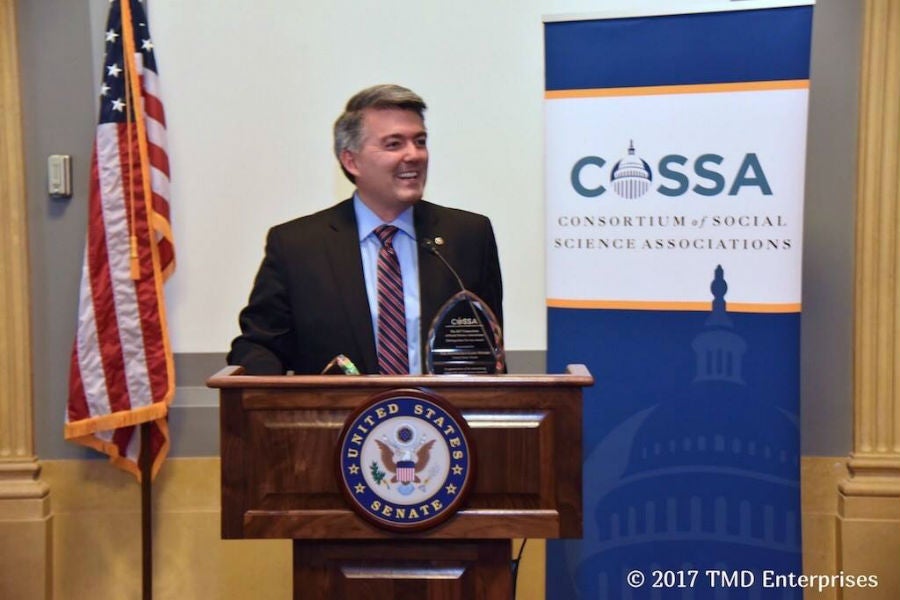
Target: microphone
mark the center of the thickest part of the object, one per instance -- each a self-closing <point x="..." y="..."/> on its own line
<point x="340" y="365"/>
<point x="431" y="246"/>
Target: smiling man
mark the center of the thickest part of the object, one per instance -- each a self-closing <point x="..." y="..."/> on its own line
<point x="354" y="279"/>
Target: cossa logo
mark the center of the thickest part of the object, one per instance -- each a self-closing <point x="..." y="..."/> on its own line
<point x="405" y="460"/>
<point x="631" y="176"/>
<point x="706" y="175"/>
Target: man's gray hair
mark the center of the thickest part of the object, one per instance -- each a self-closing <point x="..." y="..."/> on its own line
<point x="348" y="127"/>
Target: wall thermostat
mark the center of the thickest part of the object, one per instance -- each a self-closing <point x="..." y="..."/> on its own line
<point x="59" y="175"/>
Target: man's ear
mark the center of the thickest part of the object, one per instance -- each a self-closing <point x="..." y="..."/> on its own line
<point x="348" y="161"/>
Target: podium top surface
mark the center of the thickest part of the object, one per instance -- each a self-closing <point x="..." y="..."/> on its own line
<point x="232" y="377"/>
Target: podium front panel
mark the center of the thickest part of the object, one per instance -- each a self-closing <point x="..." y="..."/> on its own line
<point x="278" y="445"/>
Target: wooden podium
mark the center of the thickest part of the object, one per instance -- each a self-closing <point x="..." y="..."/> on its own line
<point x="278" y="445"/>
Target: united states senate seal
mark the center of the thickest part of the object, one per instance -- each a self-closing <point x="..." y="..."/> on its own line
<point x="405" y="460"/>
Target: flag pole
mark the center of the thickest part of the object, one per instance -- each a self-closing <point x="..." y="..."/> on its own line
<point x="146" y="466"/>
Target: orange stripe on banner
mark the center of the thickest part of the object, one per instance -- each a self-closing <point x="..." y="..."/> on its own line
<point x="741" y="307"/>
<point x="660" y="90"/>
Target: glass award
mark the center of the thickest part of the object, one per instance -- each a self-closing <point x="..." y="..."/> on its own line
<point x="465" y="338"/>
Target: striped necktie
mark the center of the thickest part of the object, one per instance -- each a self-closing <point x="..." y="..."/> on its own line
<point x="393" y="357"/>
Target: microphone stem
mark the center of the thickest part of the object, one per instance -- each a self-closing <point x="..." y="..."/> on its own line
<point x="449" y="268"/>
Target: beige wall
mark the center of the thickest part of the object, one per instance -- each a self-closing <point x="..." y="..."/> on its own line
<point x="97" y="538"/>
<point x="96" y="530"/>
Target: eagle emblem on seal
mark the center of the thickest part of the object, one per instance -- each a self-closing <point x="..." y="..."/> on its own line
<point x="405" y="454"/>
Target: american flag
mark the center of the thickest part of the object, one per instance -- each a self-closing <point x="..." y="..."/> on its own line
<point x="121" y="371"/>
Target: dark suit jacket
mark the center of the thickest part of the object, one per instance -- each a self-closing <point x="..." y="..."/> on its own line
<point x="309" y="303"/>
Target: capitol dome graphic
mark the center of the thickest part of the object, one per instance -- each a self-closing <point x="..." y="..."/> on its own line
<point x="699" y="479"/>
<point x="631" y="176"/>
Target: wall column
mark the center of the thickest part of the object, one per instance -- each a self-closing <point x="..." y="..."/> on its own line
<point x="869" y="500"/>
<point x="25" y="527"/>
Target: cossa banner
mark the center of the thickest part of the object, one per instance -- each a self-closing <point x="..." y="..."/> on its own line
<point x="675" y="152"/>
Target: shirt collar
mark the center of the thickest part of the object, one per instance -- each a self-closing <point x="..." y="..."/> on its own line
<point x="367" y="221"/>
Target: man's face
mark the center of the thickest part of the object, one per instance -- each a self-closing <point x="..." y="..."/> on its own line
<point x="391" y="164"/>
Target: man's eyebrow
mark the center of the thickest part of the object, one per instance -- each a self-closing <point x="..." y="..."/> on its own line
<point x="392" y="136"/>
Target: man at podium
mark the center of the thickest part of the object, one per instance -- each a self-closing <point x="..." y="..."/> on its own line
<point x="366" y="277"/>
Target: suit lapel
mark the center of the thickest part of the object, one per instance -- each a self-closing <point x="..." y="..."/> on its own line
<point x="432" y="276"/>
<point x="346" y="266"/>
